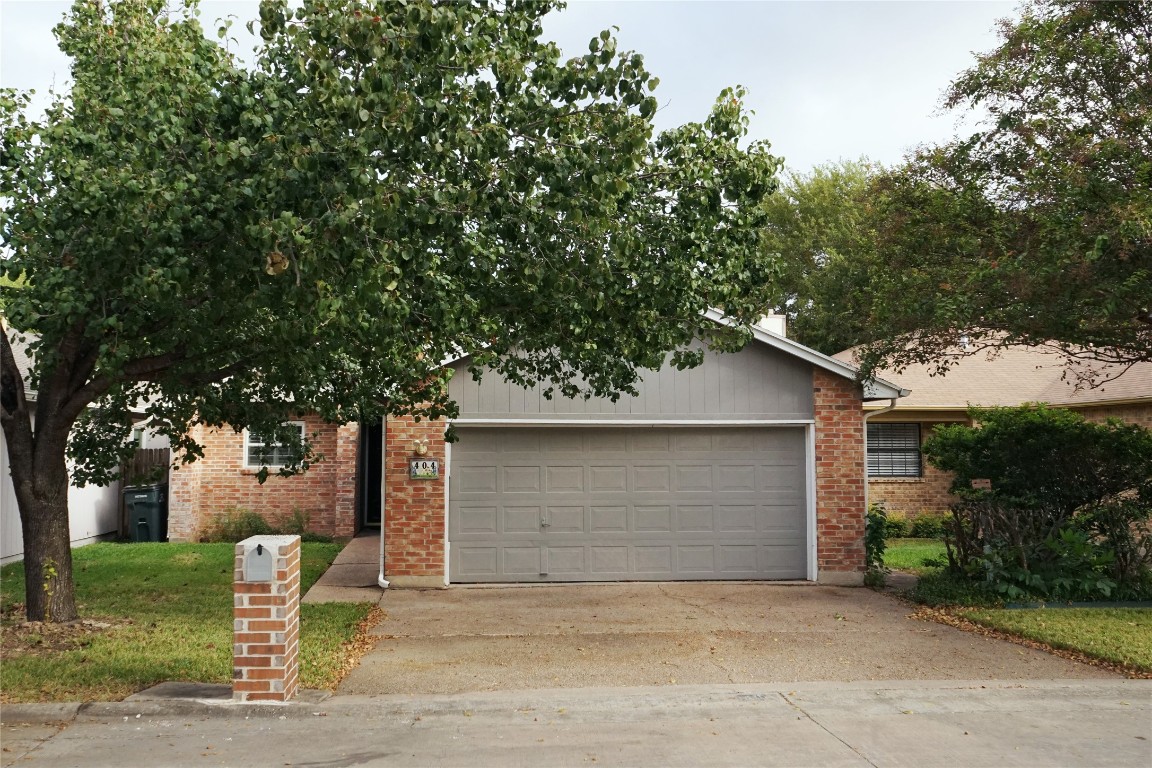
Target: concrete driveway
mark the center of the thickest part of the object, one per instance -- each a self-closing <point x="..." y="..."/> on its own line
<point x="467" y="639"/>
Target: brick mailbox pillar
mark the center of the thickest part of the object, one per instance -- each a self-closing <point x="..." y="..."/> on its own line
<point x="266" y="619"/>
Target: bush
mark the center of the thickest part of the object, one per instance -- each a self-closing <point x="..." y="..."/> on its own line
<point x="875" y="530"/>
<point x="234" y="525"/>
<point x="1067" y="514"/>
<point x="896" y="525"/>
<point x="927" y="525"/>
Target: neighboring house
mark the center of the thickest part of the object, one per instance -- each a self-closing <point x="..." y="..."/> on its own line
<point x="898" y="474"/>
<point x="93" y="511"/>
<point x="750" y="466"/>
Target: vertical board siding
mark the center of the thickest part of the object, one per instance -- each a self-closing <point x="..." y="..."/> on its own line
<point x="756" y="383"/>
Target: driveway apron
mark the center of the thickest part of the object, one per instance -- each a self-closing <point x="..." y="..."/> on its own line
<point x="467" y="639"/>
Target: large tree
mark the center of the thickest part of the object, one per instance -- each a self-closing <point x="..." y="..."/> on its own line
<point x="1038" y="228"/>
<point x="819" y="231"/>
<point x="389" y="184"/>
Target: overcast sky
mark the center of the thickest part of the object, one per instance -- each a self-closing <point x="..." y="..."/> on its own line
<point x="827" y="80"/>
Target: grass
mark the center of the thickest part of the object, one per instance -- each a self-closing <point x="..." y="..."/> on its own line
<point x="1118" y="635"/>
<point x="156" y="612"/>
<point x="1121" y="636"/>
<point x="909" y="554"/>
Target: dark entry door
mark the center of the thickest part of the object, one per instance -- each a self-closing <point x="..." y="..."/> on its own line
<point x="370" y="457"/>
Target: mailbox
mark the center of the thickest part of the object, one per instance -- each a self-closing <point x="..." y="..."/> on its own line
<point x="259" y="564"/>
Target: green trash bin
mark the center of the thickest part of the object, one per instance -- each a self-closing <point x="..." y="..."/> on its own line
<point x="147" y="507"/>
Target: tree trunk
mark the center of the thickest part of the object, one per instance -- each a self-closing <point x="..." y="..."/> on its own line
<point x="40" y="479"/>
<point x="48" y="586"/>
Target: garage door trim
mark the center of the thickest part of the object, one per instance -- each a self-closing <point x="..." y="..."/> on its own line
<point x="809" y="426"/>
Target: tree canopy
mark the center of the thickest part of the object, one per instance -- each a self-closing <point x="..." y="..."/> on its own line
<point x="1038" y="228"/>
<point x="388" y="185"/>
<point x="820" y="232"/>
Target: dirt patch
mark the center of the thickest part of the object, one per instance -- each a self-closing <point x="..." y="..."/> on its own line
<point x="38" y="638"/>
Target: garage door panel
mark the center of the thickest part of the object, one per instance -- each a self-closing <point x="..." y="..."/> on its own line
<point x="649" y="441"/>
<point x="607" y="479"/>
<point x="694" y="477"/>
<point x="651" y="479"/>
<point x="627" y="504"/>
<point x="480" y="479"/>
<point x="654" y="559"/>
<point x="697" y="559"/>
<point x="566" y="519"/>
<point x="522" y="561"/>
<point x="521" y="480"/>
<point x="608" y="561"/>
<point x="736" y="478"/>
<point x="609" y="519"/>
<point x="521" y="519"/>
<point x="480" y="561"/>
<point x="695" y="519"/>
<point x="482" y="520"/>
<point x="653" y="519"/>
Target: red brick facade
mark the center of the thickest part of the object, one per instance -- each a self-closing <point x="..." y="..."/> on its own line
<point x="414" y="522"/>
<point x="913" y="496"/>
<point x="220" y="483"/>
<point x="414" y="512"/>
<point x="839" y="476"/>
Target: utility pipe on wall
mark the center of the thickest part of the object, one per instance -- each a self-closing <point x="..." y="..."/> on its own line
<point x="380" y="580"/>
<point x="885" y="409"/>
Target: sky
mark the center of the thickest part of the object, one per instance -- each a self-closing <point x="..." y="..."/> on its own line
<point x="826" y="80"/>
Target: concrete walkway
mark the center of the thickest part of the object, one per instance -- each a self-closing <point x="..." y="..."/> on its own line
<point x="352" y="577"/>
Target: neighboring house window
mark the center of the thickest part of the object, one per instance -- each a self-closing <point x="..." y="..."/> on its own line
<point x="893" y="450"/>
<point x="260" y="451"/>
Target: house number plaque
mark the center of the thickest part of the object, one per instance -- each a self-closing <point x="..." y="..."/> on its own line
<point x="423" y="469"/>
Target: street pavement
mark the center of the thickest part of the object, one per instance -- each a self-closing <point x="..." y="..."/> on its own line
<point x="1105" y="723"/>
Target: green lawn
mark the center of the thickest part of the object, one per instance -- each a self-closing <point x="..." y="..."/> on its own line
<point x="1118" y="635"/>
<point x="910" y="554"/>
<point x="168" y="608"/>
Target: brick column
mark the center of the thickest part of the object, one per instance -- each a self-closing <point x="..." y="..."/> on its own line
<point x="840" y="469"/>
<point x="266" y="619"/>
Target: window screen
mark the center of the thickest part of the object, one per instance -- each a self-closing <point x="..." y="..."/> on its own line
<point x="894" y="450"/>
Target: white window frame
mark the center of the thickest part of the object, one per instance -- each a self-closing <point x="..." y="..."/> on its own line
<point x="874" y="468"/>
<point x="249" y="444"/>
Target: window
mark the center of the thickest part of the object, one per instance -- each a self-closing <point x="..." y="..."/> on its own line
<point x="893" y="450"/>
<point x="261" y="451"/>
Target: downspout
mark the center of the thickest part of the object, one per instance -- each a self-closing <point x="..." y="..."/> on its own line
<point x="885" y="409"/>
<point x="380" y="580"/>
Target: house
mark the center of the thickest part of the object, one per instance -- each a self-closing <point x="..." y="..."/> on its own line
<point x="899" y="477"/>
<point x="750" y="466"/>
<point x="93" y="511"/>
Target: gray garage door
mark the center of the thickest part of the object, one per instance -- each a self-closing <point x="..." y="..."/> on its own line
<point x="626" y="504"/>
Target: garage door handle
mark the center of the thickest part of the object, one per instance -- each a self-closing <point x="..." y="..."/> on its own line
<point x="544" y="522"/>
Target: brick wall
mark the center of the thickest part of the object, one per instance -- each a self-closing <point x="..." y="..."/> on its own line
<point x="219" y="482"/>
<point x="839" y="474"/>
<point x="929" y="493"/>
<point x="414" y="535"/>
<point x="1131" y="414"/>
<point x="912" y="496"/>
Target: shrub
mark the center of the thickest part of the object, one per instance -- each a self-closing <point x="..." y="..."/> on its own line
<point x="1067" y="514"/>
<point x="927" y="525"/>
<point x="235" y="524"/>
<point x="896" y="525"/>
<point x="875" y="530"/>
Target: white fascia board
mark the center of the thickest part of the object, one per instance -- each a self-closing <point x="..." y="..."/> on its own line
<point x="876" y="389"/>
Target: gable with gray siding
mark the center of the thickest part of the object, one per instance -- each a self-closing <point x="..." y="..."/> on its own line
<point x="758" y="383"/>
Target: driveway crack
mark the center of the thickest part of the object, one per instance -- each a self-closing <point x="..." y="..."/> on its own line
<point x="821" y="726"/>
